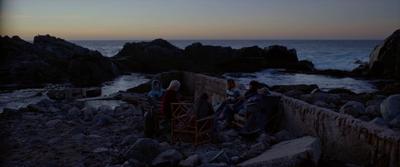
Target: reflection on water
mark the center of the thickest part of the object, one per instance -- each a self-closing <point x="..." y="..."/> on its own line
<point x="123" y="83"/>
<point x="276" y="77"/>
<point x="21" y="98"/>
<point x="24" y="97"/>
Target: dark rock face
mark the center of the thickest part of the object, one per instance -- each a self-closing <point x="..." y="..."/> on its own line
<point x="59" y="47"/>
<point x="22" y="63"/>
<point x="154" y="56"/>
<point x="278" y="56"/>
<point x="52" y="60"/>
<point x="159" y="55"/>
<point x="385" y="59"/>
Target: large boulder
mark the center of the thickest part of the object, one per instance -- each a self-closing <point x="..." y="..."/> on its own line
<point x="154" y="56"/>
<point x="52" y="60"/>
<point x="390" y="109"/>
<point x="21" y="63"/>
<point x="385" y="58"/>
<point x="304" y="151"/>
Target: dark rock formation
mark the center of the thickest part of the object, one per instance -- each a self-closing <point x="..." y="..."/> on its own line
<point x="21" y="63"/>
<point x="154" y="56"/>
<point x="52" y="60"/>
<point x="159" y="55"/>
<point x="385" y="59"/>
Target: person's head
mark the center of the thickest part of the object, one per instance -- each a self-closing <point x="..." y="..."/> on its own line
<point x="174" y="85"/>
<point x="155" y="84"/>
<point x="230" y="84"/>
<point x="254" y="85"/>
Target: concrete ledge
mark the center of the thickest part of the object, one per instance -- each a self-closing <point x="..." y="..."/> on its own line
<point x="302" y="151"/>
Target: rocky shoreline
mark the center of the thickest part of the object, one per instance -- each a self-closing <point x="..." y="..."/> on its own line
<point x="53" y="60"/>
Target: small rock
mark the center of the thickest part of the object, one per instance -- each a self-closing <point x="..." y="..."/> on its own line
<point x="53" y="123"/>
<point x="165" y="146"/>
<point x="74" y="113"/>
<point x="129" y="140"/>
<point x="106" y="110"/>
<point x="53" y="109"/>
<point x="353" y="108"/>
<point x="228" y="135"/>
<point x="103" y="120"/>
<point x="378" y="121"/>
<point x="88" y="113"/>
<point x="167" y="158"/>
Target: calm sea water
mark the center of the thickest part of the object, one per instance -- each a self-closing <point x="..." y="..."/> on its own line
<point x="325" y="54"/>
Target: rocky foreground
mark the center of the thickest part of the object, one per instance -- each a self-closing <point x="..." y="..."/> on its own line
<point x="52" y="133"/>
<point x="71" y="133"/>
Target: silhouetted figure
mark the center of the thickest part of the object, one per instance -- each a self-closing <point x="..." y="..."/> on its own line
<point x="253" y="87"/>
<point x="170" y="97"/>
<point x="203" y="107"/>
<point x="232" y="103"/>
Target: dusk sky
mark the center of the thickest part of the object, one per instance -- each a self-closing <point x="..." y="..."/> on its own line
<point x="201" y="19"/>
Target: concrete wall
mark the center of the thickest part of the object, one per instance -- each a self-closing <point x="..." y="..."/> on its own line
<point x="342" y="137"/>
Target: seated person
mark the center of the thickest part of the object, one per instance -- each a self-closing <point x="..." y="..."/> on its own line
<point x="259" y="107"/>
<point x="156" y="91"/>
<point x="238" y="101"/>
<point x="170" y="97"/>
<point x="203" y="107"/>
<point x="232" y="99"/>
<point x="253" y="87"/>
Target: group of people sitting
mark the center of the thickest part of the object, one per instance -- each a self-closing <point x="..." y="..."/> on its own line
<point x="254" y="103"/>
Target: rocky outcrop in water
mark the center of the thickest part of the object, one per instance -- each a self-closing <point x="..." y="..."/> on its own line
<point x="385" y="59"/>
<point x="51" y="60"/>
<point x="160" y="55"/>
